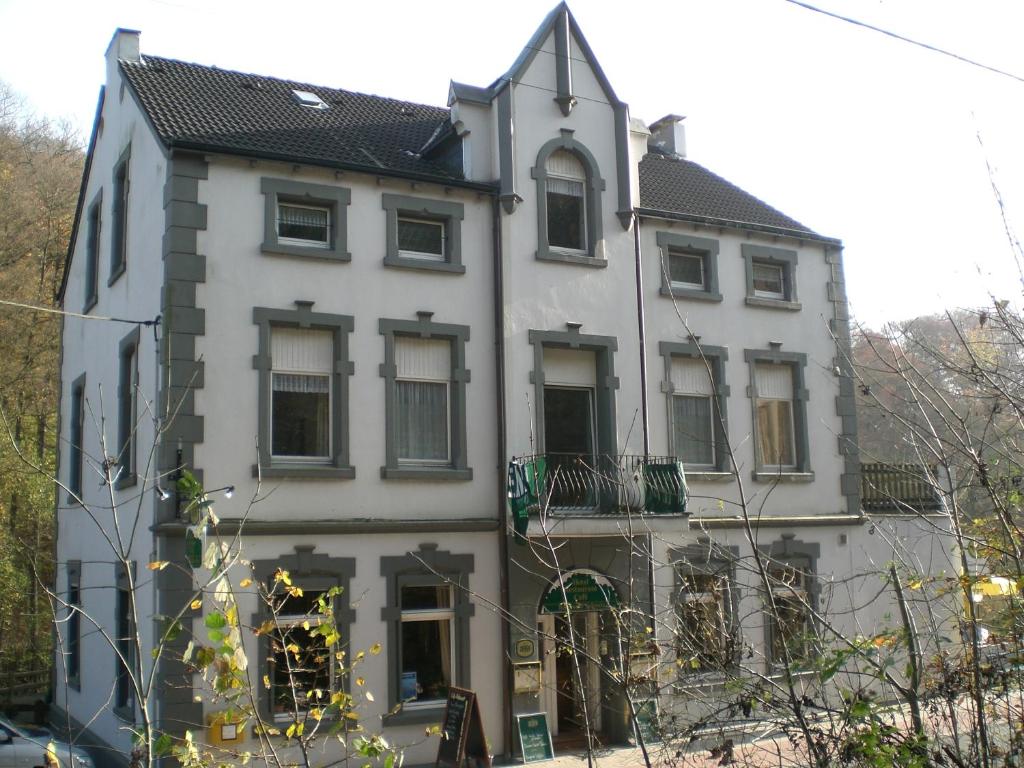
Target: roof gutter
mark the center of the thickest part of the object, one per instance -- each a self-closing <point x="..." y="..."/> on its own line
<point x="797" y="234"/>
<point x="490" y="188"/>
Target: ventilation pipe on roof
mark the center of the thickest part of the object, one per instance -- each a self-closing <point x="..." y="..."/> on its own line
<point x="668" y="136"/>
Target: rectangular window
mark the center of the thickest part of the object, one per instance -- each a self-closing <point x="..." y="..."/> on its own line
<point x="693" y="412"/>
<point x="792" y="629"/>
<point x="124" y="690"/>
<point x="92" y="254"/>
<point x="428" y="618"/>
<point x="119" y="219"/>
<point x="421" y="238"/>
<point x="306" y="225"/>
<point x="301" y="405"/>
<point x="769" y="280"/>
<point x="775" y="432"/>
<point x="76" y="454"/>
<point x="422" y="399"/>
<point x="566" y="214"/>
<point x="73" y="636"/>
<point x="704" y="641"/>
<point x="686" y="270"/>
<point x="301" y="662"/>
<point x="127" y="411"/>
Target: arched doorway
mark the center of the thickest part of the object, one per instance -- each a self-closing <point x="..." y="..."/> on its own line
<point x="576" y="624"/>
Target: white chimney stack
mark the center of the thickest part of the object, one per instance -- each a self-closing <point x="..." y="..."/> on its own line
<point x="124" y="45"/>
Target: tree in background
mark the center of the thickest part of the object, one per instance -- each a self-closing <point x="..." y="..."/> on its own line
<point x="40" y="170"/>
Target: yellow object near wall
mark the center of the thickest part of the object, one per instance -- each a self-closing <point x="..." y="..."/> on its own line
<point x="225" y="728"/>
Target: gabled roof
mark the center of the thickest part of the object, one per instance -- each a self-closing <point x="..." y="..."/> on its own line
<point x="684" y="189"/>
<point x="209" y="109"/>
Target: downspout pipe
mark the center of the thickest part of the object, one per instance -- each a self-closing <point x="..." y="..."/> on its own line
<point x="642" y="333"/>
<point x="502" y="431"/>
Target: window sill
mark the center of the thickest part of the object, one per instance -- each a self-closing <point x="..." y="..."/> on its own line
<point x="756" y="301"/>
<point x="314" y="471"/>
<point x="308" y="252"/>
<point x="784" y="476"/>
<point x="690" y="293"/>
<point x="90" y="303"/>
<point x="572" y="258"/>
<point x="447" y="474"/>
<point x="417" y="716"/>
<point x="687" y="681"/>
<point x="406" y="262"/>
<point x="116" y="274"/>
<point x="129" y="480"/>
<point x="707" y="475"/>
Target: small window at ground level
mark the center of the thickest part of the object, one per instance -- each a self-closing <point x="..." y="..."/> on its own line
<point x="686" y="269"/>
<point x="704" y="642"/>
<point x="421" y="238"/>
<point x="301" y="662"/>
<point x="304" y="225"/>
<point x="769" y="280"/>
<point x="426" y="643"/>
<point x="792" y="631"/>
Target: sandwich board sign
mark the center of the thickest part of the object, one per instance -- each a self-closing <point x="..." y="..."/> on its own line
<point x="462" y="732"/>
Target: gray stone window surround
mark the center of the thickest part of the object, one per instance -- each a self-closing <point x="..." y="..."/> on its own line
<point x="457" y="336"/>
<point x="797" y="361"/>
<point x="607" y="382"/>
<point x="123" y="601"/>
<point x="444" y="212"/>
<point x="594" y="188"/>
<point x="427" y="566"/>
<point x="789" y="550"/>
<point x="716" y="357"/>
<point x="312" y="572"/>
<point x="704" y="247"/>
<point x="121" y="180"/>
<point x="783" y="257"/>
<point x="76" y="439"/>
<point x="335" y="199"/>
<point x="72" y="648"/>
<point x="127" y="408"/>
<point x="709" y="558"/>
<point x="340" y="326"/>
<point x="94" y="230"/>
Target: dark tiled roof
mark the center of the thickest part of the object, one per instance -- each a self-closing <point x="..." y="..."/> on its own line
<point x="218" y="110"/>
<point x="684" y="187"/>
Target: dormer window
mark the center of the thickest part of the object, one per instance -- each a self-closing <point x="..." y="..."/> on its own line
<point x="567" y="210"/>
<point x="309" y="99"/>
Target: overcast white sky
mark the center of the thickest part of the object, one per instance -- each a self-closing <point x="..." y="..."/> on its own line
<point x="857" y="135"/>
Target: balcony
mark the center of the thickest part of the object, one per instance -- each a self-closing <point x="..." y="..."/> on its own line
<point x="571" y="484"/>
<point x="899" y="488"/>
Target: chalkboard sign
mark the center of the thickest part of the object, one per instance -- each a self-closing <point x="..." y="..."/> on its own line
<point x="646" y="720"/>
<point x="534" y="737"/>
<point x="462" y="732"/>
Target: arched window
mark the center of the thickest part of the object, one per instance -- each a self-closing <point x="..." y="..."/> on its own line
<point x="567" y="209"/>
<point x="569" y="187"/>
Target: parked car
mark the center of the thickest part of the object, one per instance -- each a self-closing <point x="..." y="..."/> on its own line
<point x="26" y="747"/>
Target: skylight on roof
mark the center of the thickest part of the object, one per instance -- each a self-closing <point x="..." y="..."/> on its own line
<point x="309" y="99"/>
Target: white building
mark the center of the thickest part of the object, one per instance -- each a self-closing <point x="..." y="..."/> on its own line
<point x="381" y="305"/>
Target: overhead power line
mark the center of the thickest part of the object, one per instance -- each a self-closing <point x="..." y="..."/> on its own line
<point x="901" y="38"/>
<point x="52" y="311"/>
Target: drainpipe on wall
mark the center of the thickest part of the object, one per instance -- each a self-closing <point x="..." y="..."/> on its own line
<point x="640" y="322"/>
<point x="499" y="365"/>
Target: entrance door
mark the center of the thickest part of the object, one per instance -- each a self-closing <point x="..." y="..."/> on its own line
<point x="565" y="642"/>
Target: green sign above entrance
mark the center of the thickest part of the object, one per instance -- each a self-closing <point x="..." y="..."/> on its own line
<point x="583" y="591"/>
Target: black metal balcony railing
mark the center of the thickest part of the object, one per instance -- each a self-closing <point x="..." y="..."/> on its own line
<point x="566" y="483"/>
<point x="898" y="488"/>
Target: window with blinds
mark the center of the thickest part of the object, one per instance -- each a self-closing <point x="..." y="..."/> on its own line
<point x="775" y="436"/>
<point x="301" y="392"/>
<point x="565" y="202"/>
<point x="304" y="224"/>
<point x="693" y="412"/>
<point x="422" y="399"/>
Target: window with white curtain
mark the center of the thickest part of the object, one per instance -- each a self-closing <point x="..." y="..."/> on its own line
<point x="775" y="434"/>
<point x="422" y="399"/>
<point x="566" y="205"/>
<point x="693" y="426"/>
<point x="301" y="392"/>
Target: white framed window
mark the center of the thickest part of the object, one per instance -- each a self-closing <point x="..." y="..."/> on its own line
<point x="686" y="269"/>
<point x="566" y="203"/>
<point x="426" y="643"/>
<point x="693" y="413"/>
<point x="422" y="238"/>
<point x="301" y="663"/>
<point x="774" y="407"/>
<point x="769" y="280"/>
<point x="790" y="624"/>
<point x="704" y="638"/>
<point x="300" y="406"/>
<point x="305" y="225"/>
<point x="423" y="400"/>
